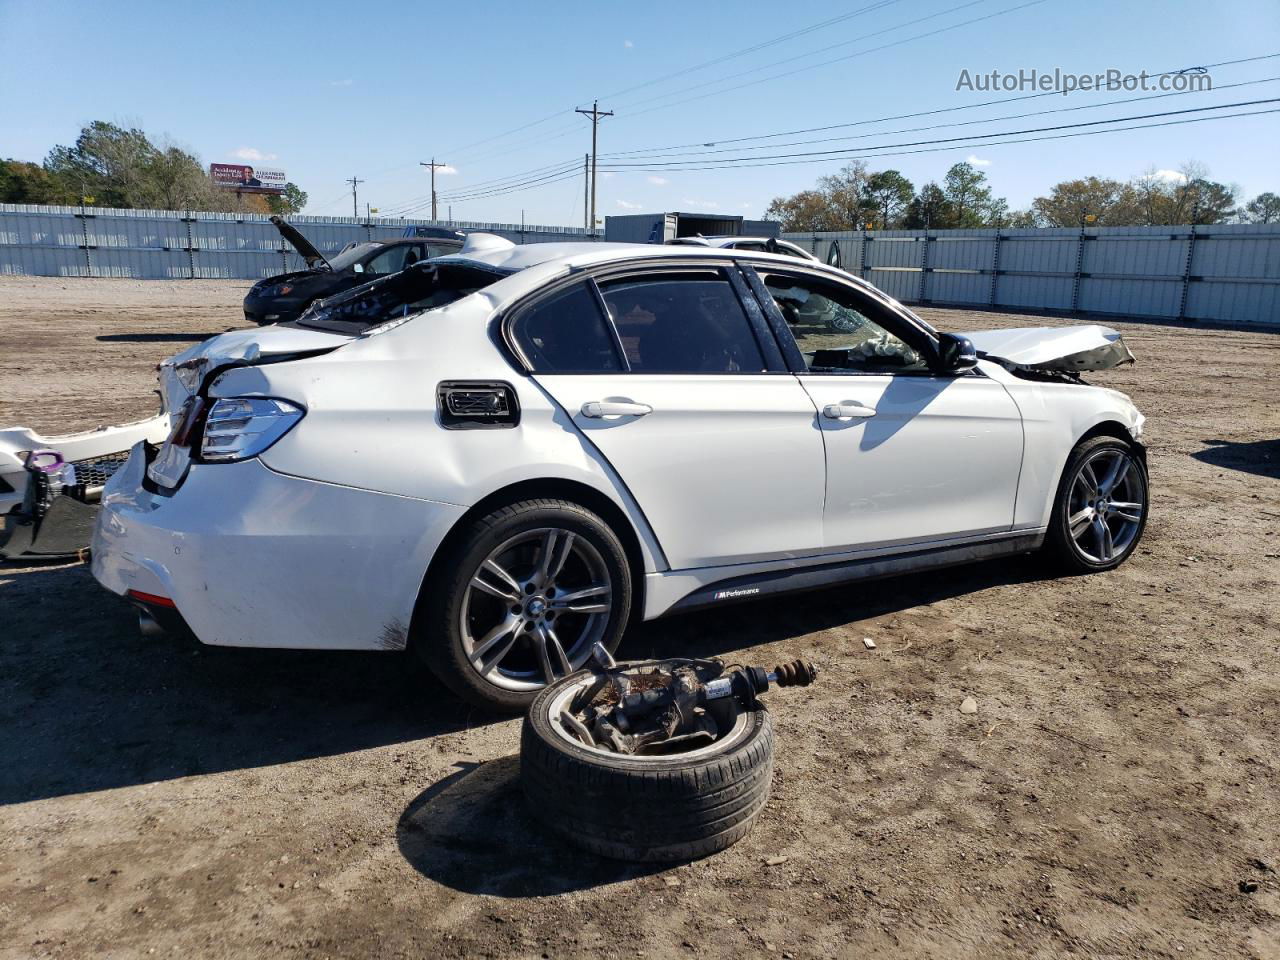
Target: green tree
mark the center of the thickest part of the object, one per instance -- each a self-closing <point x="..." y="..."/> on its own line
<point x="291" y="201"/>
<point x="889" y="193"/>
<point x="1264" y="208"/>
<point x="806" y="210"/>
<point x="106" y="161"/>
<point x="23" y="182"/>
<point x="968" y="196"/>
<point x="928" y="210"/>
<point x="846" y="194"/>
<point x="1113" y="203"/>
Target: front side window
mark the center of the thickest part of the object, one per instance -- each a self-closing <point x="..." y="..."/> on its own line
<point x="682" y="322"/>
<point x="390" y="260"/>
<point x="567" y="333"/>
<point x="838" y="329"/>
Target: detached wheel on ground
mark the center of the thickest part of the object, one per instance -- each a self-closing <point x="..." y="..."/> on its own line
<point x="674" y="807"/>
<point x="521" y="598"/>
<point x="1101" y="508"/>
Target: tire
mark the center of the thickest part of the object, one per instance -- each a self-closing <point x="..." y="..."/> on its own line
<point x="658" y="809"/>
<point x="1084" y="552"/>
<point x="451" y="630"/>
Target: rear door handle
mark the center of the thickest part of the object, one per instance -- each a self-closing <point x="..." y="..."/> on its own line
<point x="847" y="410"/>
<point x="609" y="409"/>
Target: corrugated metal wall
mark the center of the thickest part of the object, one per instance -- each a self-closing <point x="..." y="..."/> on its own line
<point x="169" y="244"/>
<point x="1227" y="273"/>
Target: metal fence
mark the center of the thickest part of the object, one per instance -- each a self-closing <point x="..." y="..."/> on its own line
<point x="1225" y="273"/>
<point x="169" y="244"/>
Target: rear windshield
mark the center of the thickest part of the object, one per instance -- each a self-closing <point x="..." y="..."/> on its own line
<point x="424" y="286"/>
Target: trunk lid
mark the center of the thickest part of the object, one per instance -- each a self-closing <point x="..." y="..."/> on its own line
<point x="305" y="248"/>
<point x="184" y="377"/>
<point x="1065" y="349"/>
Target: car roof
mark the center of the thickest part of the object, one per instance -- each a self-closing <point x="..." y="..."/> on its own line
<point x="579" y="254"/>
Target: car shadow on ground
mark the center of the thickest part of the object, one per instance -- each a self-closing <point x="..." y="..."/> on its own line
<point x="1260" y="456"/>
<point x="87" y="704"/>
<point x="154" y="337"/>
<point x="472" y="831"/>
<point x="722" y="630"/>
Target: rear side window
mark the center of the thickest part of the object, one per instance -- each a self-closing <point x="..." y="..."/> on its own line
<point x="567" y="333"/>
<point x="682" y="322"/>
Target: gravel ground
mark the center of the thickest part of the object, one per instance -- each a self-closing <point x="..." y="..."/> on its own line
<point x="1117" y="794"/>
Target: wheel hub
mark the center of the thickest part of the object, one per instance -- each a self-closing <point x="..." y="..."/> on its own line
<point x="536" y="608"/>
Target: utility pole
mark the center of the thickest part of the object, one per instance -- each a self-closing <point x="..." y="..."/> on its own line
<point x="355" y="205"/>
<point x="595" y="113"/>
<point x="586" y="190"/>
<point x="433" y="165"/>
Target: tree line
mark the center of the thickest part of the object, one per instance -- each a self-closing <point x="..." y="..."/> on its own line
<point x="859" y="198"/>
<point x="124" y="168"/>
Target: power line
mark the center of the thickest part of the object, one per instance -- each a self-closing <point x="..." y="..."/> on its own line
<point x="959" y="123"/>
<point x="901" y="116"/>
<point x="850" y="56"/>
<point x="952" y="143"/>
<point x="753" y="49"/>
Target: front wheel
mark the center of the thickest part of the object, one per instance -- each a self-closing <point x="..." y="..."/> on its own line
<point x="521" y="598"/>
<point x="1101" y="507"/>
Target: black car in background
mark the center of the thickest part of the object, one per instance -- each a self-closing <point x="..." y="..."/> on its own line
<point x="282" y="298"/>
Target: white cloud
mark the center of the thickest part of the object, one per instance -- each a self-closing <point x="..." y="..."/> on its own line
<point x="445" y="170"/>
<point x="704" y="204"/>
<point x="745" y="206"/>
<point x="658" y="181"/>
<point x="628" y="206"/>
<point x="346" y="82"/>
<point x="628" y="44"/>
<point x="1170" y="176"/>
<point x="977" y="161"/>
<point x="605" y="175"/>
<point x="253" y="155"/>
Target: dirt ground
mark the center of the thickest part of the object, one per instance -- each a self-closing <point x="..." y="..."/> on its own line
<point x="1116" y="795"/>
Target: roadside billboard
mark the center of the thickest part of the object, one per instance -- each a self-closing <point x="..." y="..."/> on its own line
<point x="247" y="179"/>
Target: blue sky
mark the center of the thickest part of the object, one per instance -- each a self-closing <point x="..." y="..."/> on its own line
<point x="328" y="90"/>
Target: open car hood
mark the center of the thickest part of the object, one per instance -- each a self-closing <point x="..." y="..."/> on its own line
<point x="1088" y="347"/>
<point x="305" y="248"/>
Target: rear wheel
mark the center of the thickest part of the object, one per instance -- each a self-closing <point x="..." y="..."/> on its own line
<point x="1101" y="508"/>
<point x="520" y="600"/>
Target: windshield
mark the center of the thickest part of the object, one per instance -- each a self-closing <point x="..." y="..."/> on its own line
<point x="424" y="286"/>
<point x="351" y="254"/>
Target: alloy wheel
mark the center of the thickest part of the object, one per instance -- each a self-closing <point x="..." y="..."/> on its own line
<point x="533" y="608"/>
<point x="1106" y="505"/>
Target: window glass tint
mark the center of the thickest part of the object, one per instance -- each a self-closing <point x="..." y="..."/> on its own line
<point x="391" y="260"/>
<point x="567" y="334"/>
<point x="839" y="329"/>
<point x="682" y="323"/>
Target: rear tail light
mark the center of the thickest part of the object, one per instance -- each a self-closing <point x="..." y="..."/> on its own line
<point x="240" y="428"/>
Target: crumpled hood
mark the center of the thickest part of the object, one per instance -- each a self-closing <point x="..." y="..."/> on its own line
<point x="181" y="375"/>
<point x="1086" y="347"/>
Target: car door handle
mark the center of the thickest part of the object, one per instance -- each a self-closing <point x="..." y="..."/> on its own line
<point x="847" y="410"/>
<point x="606" y="409"/>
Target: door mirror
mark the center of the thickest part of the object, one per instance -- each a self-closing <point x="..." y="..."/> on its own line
<point x="956" y="354"/>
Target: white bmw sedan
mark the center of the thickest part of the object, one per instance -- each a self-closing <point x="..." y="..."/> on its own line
<point x="500" y="457"/>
